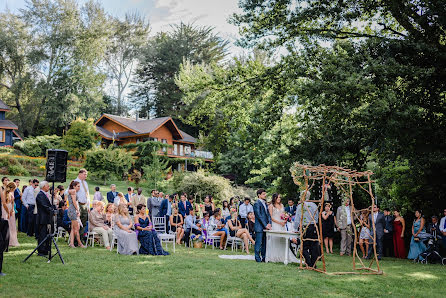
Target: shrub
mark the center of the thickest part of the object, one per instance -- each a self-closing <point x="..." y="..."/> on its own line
<point x="6" y="149"/>
<point x="37" y="146"/>
<point x="80" y="138"/>
<point x="17" y="170"/>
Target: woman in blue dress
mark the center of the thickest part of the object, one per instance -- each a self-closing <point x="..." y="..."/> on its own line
<point x="418" y="235"/>
<point x="147" y="236"/>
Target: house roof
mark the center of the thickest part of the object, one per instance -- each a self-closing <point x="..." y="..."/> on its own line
<point x="8" y="124"/>
<point x="142" y="126"/>
<point x="3" y="106"/>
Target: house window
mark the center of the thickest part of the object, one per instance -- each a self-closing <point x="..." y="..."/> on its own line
<point x="164" y="141"/>
<point x="2" y="135"/>
<point x="175" y="151"/>
<point x="187" y="150"/>
<point x="181" y="150"/>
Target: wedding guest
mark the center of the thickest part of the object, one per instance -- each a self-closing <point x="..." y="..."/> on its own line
<point x="120" y="199"/>
<point x="184" y="206"/>
<point x="399" y="225"/>
<point x="236" y="230"/>
<point x="310" y="219"/>
<point x="111" y="195"/>
<point x="147" y="236"/>
<point x="61" y="191"/>
<point x="225" y="212"/>
<point x="190" y="226"/>
<point x="138" y="199"/>
<point x="262" y="222"/>
<point x="443" y="228"/>
<point x="433" y="227"/>
<point x="220" y="231"/>
<point x="74" y="212"/>
<point x="110" y="214"/>
<point x="127" y="239"/>
<point x="328" y="224"/>
<point x="62" y="217"/>
<point x="380" y="224"/>
<point x="244" y="209"/>
<point x="176" y="224"/>
<point x="251" y="222"/>
<point x="97" y="223"/>
<point x="7" y="201"/>
<point x="153" y="204"/>
<point x="291" y="209"/>
<point x="18" y="203"/>
<point x="29" y="201"/>
<point x="128" y="197"/>
<point x="364" y="235"/>
<point x="388" y="234"/>
<point x="209" y="207"/>
<point x="344" y="225"/>
<point x="416" y="244"/>
<point x="44" y="218"/>
<point x="97" y="195"/>
<point x="23" y="214"/>
<point x="166" y="210"/>
<point x="83" y="199"/>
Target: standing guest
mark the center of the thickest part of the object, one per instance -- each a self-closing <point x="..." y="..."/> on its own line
<point x="232" y="203"/>
<point x="416" y="243"/>
<point x="236" y="230"/>
<point x="344" y="224"/>
<point x="191" y="227"/>
<point x="120" y="199"/>
<point x="97" y="195"/>
<point x="291" y="209"/>
<point x="184" y="206"/>
<point x="364" y="235"/>
<point x="328" y="224"/>
<point x="58" y="193"/>
<point x="138" y="199"/>
<point x="147" y="236"/>
<point x="127" y="239"/>
<point x="310" y="219"/>
<point x="153" y="204"/>
<point x="262" y="222"/>
<point x="209" y="207"/>
<point x="61" y="192"/>
<point x="109" y="214"/>
<point x="244" y="209"/>
<point x="128" y="197"/>
<point x="7" y="200"/>
<point x="4" y="237"/>
<point x="97" y="223"/>
<point x="18" y="203"/>
<point x="74" y="212"/>
<point x="399" y="225"/>
<point x="443" y="228"/>
<point x="44" y="217"/>
<point x="111" y="195"/>
<point x="388" y="234"/>
<point x="225" y="212"/>
<point x="30" y="202"/>
<point x="380" y="224"/>
<point x="251" y="222"/>
<point x="176" y="224"/>
<point x="23" y="214"/>
<point x="166" y="210"/>
<point x="84" y="199"/>
<point x="5" y="181"/>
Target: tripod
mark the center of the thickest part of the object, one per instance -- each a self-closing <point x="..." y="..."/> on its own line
<point x="49" y="238"/>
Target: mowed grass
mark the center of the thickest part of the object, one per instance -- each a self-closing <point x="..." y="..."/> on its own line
<point x="96" y="272"/>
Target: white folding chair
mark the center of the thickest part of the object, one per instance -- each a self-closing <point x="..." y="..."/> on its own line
<point x="213" y="239"/>
<point x="113" y="242"/>
<point x="61" y="232"/>
<point x="91" y="237"/>
<point x="159" y="223"/>
<point x="234" y="241"/>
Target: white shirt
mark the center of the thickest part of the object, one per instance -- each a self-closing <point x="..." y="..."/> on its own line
<point x="375" y="215"/>
<point x="264" y="204"/>
<point x="349" y="219"/>
<point x="28" y="196"/>
<point x="442" y="223"/>
<point x="81" y="194"/>
<point x="244" y="209"/>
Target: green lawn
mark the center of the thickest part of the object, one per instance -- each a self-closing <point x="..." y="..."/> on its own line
<point x="97" y="272"/>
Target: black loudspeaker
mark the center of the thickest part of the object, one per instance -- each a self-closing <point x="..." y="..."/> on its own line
<point x="56" y="165"/>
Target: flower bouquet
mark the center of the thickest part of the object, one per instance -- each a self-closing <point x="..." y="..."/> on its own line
<point x="197" y="240"/>
<point x="285" y="216"/>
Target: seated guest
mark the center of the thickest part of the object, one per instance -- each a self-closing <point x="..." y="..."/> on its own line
<point x="221" y="231"/>
<point x="176" y="224"/>
<point x="127" y="239"/>
<point x="207" y="226"/>
<point x="225" y="212"/>
<point x="97" y="195"/>
<point x="120" y="199"/>
<point x="443" y="228"/>
<point x="62" y="217"/>
<point x="190" y="226"/>
<point x="109" y="214"/>
<point x="112" y="194"/>
<point x="251" y="222"/>
<point x="236" y="230"/>
<point x="184" y="206"/>
<point x="416" y="243"/>
<point x="433" y="228"/>
<point x="147" y="236"/>
<point x="97" y="223"/>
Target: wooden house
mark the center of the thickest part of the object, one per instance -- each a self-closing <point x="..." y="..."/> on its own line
<point x="8" y="130"/>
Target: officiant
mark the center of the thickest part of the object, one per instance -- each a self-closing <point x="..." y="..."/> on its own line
<point x="310" y="218"/>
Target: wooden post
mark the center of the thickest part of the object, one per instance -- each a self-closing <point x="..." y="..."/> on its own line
<point x="352" y="218"/>
<point x="321" y="237"/>
<point x="373" y="221"/>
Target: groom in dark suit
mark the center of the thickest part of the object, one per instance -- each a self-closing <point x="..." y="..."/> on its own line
<point x="380" y="224"/>
<point x="263" y="222"/>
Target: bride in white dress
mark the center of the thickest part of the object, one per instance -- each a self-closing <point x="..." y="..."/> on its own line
<point x="276" y="247"/>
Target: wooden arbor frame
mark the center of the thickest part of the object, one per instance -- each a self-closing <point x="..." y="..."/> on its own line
<point x="344" y="179"/>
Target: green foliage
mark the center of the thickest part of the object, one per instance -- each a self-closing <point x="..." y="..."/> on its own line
<point x="147" y="152"/>
<point x="109" y="163"/>
<point x="80" y="138"/>
<point x="37" y="146"/>
<point x="21" y="165"/>
<point x="18" y="170"/>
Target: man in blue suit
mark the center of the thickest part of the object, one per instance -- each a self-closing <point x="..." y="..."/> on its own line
<point x="380" y="224"/>
<point x="263" y="222"/>
<point x="111" y="195"/>
<point x="184" y="206"/>
<point x="166" y="209"/>
<point x="291" y="208"/>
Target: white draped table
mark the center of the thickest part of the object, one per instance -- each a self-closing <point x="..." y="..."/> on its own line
<point x="270" y="235"/>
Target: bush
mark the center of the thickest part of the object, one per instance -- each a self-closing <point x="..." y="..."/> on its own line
<point x="37" y="146"/>
<point x="17" y="170"/>
<point x="80" y="138"/>
<point x="6" y="149"/>
<point x="108" y="163"/>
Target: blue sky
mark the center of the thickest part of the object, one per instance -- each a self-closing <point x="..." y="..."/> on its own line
<point x="162" y="13"/>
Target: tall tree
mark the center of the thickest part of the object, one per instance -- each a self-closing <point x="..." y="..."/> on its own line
<point x="155" y="91"/>
<point x="126" y="40"/>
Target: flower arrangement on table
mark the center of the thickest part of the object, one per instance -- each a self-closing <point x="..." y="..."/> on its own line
<point x="287" y="218"/>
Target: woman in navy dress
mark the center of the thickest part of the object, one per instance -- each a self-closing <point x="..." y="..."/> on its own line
<point x="150" y="243"/>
